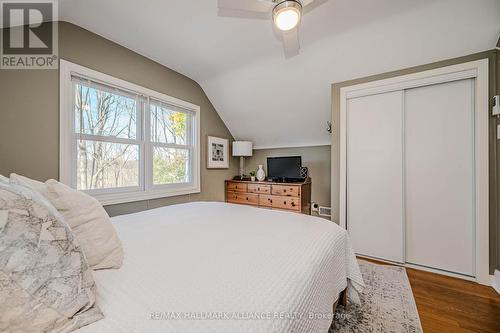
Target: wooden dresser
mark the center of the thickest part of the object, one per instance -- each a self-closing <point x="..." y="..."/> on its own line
<point x="295" y="197"/>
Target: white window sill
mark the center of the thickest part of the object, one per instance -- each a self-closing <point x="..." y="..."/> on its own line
<point x="124" y="197"/>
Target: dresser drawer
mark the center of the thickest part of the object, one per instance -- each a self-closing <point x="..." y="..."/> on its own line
<point x="237" y="187"/>
<point x="243" y="198"/>
<point x="281" y="202"/>
<point x="291" y="203"/>
<point x="262" y="189"/>
<point x="291" y="191"/>
<point x="266" y="200"/>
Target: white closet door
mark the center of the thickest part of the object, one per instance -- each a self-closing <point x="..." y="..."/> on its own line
<point x="375" y="175"/>
<point x="440" y="176"/>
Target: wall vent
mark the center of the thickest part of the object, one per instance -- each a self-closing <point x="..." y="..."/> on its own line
<point x="325" y="211"/>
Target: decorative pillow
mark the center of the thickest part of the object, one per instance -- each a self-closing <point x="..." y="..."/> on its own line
<point x="86" y="217"/>
<point x="46" y="284"/>
<point x="27" y="182"/>
<point x="4" y="179"/>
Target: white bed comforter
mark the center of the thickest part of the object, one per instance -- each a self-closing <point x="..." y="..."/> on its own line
<point x="216" y="267"/>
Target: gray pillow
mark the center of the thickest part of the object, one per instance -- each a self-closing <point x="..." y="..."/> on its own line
<point x="46" y="283"/>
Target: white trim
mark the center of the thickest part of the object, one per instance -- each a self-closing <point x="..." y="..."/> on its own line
<point x="495" y="281"/>
<point x="441" y="272"/>
<point x="482" y="171"/>
<point x="132" y="196"/>
<point x="81" y="71"/>
<point x="65" y="124"/>
<point x="67" y="150"/>
<point x="420" y="268"/>
<point x="474" y="69"/>
<point x="385" y="86"/>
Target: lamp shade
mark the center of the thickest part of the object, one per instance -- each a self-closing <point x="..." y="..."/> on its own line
<point x="242" y="148"/>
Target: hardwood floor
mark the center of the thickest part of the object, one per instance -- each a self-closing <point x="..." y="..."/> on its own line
<point x="449" y="305"/>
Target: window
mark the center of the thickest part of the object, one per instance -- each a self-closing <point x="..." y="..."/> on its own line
<point x="121" y="142"/>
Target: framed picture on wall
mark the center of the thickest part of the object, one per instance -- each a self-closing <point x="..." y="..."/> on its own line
<point x="217" y="153"/>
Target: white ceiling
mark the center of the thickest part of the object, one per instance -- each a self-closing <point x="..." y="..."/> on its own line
<point x="278" y="102"/>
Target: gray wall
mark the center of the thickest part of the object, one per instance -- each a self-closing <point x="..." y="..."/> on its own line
<point x="494" y="154"/>
<point x="317" y="159"/>
<point x="29" y="109"/>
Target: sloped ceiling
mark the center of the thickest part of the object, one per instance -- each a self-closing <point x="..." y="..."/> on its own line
<point x="278" y="102"/>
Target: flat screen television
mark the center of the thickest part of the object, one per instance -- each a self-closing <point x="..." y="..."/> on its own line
<point x="284" y="168"/>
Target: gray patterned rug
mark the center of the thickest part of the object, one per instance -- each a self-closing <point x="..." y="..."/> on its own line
<point x="387" y="304"/>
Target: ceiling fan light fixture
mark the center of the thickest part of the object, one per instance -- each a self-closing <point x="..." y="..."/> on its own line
<point x="287" y="15"/>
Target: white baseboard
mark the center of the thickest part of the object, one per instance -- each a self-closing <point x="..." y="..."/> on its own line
<point x="495" y="281"/>
<point x="427" y="269"/>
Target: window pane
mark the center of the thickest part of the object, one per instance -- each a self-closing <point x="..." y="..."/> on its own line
<point x="168" y="125"/>
<point x="170" y="165"/>
<point x="106" y="165"/>
<point x="99" y="112"/>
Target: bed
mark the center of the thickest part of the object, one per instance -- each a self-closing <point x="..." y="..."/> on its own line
<point x="217" y="267"/>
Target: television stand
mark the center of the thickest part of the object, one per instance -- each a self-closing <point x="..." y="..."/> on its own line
<point x="294" y="196"/>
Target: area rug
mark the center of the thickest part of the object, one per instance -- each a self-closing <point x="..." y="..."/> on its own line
<point x="387" y="304"/>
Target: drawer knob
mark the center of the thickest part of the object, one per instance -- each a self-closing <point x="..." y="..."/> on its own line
<point x="247" y="198"/>
<point x="284" y="202"/>
<point x="284" y="191"/>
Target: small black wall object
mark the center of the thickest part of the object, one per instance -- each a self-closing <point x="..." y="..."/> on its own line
<point x="304" y="172"/>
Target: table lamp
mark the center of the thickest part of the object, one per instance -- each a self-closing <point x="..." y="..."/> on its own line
<point x="242" y="149"/>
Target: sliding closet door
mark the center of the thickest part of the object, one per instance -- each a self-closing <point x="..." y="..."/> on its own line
<point x="440" y="176"/>
<point x="375" y="175"/>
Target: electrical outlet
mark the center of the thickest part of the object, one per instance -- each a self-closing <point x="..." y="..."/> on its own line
<point x="496" y="106"/>
<point x="498" y="132"/>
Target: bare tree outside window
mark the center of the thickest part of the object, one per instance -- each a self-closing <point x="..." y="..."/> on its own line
<point x="108" y="152"/>
<point x="100" y="113"/>
<point x="170" y="163"/>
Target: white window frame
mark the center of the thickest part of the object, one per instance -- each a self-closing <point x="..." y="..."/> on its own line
<point x="67" y="139"/>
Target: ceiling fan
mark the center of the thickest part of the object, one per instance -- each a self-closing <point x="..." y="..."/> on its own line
<point x="286" y="16"/>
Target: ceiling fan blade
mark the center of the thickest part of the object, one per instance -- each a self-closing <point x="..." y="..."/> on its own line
<point x="260" y="6"/>
<point x="223" y="12"/>
<point x="291" y="43"/>
<point x="309" y="5"/>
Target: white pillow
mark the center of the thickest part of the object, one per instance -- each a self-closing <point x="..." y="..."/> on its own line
<point x="27" y="182"/>
<point x="4" y="179"/>
<point x="86" y="217"/>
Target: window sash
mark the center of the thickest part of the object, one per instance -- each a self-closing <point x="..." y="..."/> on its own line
<point x="190" y="146"/>
<point x="70" y="74"/>
<point x="74" y="164"/>
<point x="111" y="90"/>
<point x="139" y="141"/>
<point x="143" y="139"/>
<point x="189" y="167"/>
<point x="168" y="106"/>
